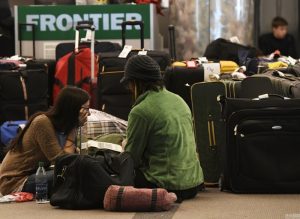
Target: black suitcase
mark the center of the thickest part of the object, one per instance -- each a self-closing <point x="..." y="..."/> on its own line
<point x="23" y="92"/>
<point x="114" y="98"/>
<point x="112" y="62"/>
<point x="63" y="49"/>
<point x="49" y="66"/>
<point x="261" y="154"/>
<point x="282" y="84"/>
<point x="209" y="128"/>
<point x="179" y="80"/>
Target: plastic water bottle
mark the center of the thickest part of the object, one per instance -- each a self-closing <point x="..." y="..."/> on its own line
<point x="41" y="185"/>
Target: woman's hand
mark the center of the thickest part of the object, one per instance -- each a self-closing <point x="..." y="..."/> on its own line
<point x="83" y="114"/>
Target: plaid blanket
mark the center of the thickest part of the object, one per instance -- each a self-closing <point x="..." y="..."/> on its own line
<point x="101" y="123"/>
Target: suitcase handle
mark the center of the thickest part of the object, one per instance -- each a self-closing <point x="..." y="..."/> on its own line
<point x="267" y="96"/>
<point x="172" y="45"/>
<point x="21" y="25"/>
<point x="85" y="25"/>
<point x="132" y="23"/>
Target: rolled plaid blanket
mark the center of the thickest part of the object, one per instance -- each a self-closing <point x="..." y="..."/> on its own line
<point x="128" y="198"/>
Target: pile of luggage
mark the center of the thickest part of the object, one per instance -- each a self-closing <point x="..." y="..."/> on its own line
<point x="245" y="138"/>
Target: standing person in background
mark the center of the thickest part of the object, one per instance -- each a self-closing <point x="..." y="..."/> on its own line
<point x="45" y="137"/>
<point x="279" y="39"/>
<point x="160" y="136"/>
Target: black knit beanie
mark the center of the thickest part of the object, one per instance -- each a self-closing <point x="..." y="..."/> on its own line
<point x="143" y="68"/>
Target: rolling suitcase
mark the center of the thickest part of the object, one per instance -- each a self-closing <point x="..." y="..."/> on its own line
<point x="209" y="128"/>
<point x="78" y="68"/>
<point x="63" y="49"/>
<point x="179" y="79"/>
<point x="23" y="92"/>
<point x="111" y="61"/>
<point x="33" y="63"/>
<point x="49" y="66"/>
<point x="282" y="84"/>
<point x="252" y="87"/>
<point x="261" y="154"/>
<point x="113" y="97"/>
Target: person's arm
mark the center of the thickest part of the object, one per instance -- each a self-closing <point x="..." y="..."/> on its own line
<point x="46" y="138"/>
<point x="292" y="48"/>
<point x="137" y="137"/>
<point x="70" y="146"/>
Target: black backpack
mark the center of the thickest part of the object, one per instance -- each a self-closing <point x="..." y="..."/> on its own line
<point x="80" y="181"/>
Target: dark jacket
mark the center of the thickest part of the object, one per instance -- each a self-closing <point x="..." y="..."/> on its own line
<point x="269" y="44"/>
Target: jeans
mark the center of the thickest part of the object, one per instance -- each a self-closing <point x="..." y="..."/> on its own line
<point x="29" y="185"/>
<point x="142" y="182"/>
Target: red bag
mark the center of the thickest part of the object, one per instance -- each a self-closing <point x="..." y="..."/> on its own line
<point x="156" y="2"/>
<point x="75" y="69"/>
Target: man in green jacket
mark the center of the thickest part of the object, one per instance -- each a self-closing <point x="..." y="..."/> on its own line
<point x="160" y="134"/>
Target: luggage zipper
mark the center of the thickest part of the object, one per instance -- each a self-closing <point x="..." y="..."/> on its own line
<point x="62" y="173"/>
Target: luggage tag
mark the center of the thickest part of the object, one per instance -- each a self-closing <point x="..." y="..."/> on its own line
<point x="127" y="49"/>
<point x="191" y="64"/>
<point x="142" y="53"/>
<point x="211" y="69"/>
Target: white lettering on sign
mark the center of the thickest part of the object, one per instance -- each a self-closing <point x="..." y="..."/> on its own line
<point x="31" y="19"/>
<point x="133" y="16"/>
<point x="105" y="21"/>
<point x="116" y="21"/>
<point x="47" y="21"/>
<point x="95" y="18"/>
<point x="65" y="22"/>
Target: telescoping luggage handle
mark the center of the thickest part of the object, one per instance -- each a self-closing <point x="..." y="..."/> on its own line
<point x="88" y="26"/>
<point x="21" y="25"/>
<point x="133" y="23"/>
<point x="172" y="45"/>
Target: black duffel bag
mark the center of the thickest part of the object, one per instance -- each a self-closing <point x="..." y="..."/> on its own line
<point x="222" y="49"/>
<point x="80" y="181"/>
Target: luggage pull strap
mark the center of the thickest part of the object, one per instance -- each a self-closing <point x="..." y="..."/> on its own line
<point x="26" y="110"/>
<point x="211" y="132"/>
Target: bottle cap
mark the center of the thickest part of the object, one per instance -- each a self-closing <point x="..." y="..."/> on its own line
<point x="41" y="164"/>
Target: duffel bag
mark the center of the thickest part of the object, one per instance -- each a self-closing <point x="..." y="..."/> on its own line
<point x="80" y="181"/>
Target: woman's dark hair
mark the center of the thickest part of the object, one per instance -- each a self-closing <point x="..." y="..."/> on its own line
<point x="279" y="21"/>
<point x="64" y="115"/>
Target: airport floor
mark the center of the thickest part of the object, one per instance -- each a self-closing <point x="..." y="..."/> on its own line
<point x="210" y="204"/>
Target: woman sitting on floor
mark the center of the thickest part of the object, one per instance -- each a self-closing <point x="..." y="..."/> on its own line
<point x="160" y="134"/>
<point x="45" y="137"/>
